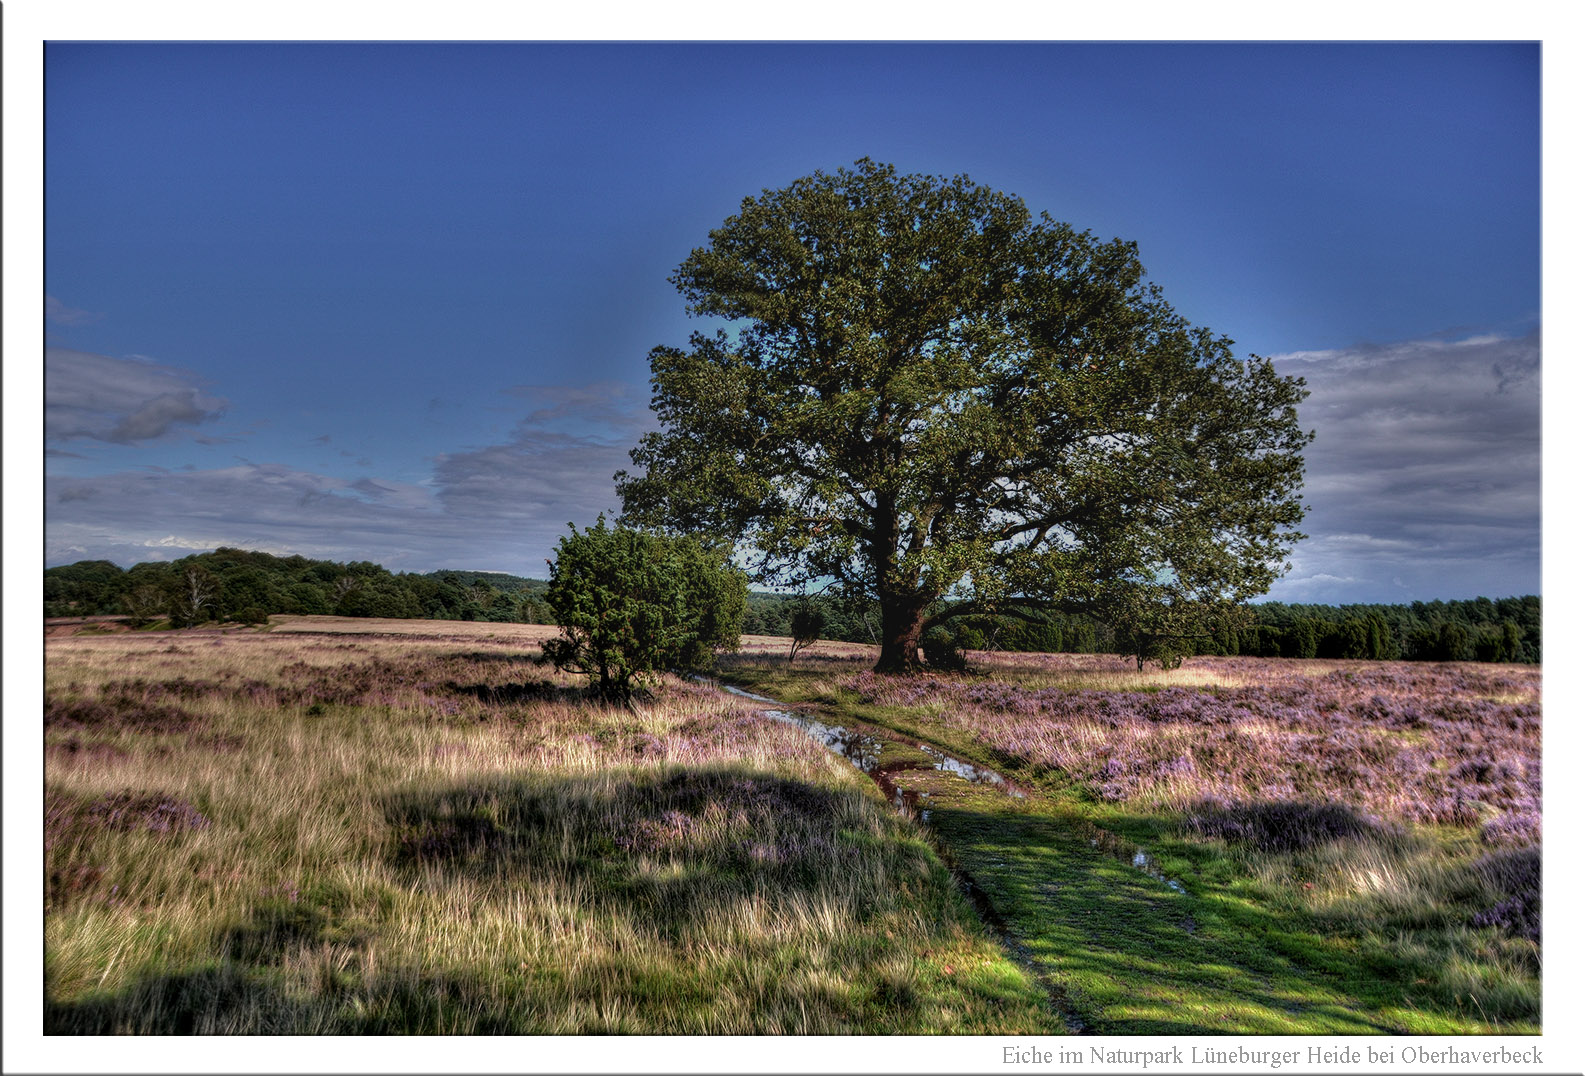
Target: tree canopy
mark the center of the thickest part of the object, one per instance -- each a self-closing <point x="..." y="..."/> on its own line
<point x="928" y="391"/>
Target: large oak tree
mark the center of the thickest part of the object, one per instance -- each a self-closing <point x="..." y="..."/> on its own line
<point x="927" y="392"/>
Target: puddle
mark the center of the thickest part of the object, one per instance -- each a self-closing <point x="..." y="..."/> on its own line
<point x="864" y="751"/>
<point x="1138" y="858"/>
<point x="969" y="771"/>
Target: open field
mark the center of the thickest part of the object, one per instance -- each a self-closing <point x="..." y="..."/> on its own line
<point x="343" y="826"/>
<point x="422" y="832"/>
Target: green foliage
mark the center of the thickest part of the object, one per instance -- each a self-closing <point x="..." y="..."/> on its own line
<point x="928" y="388"/>
<point x="1262" y="641"/>
<point x="192" y="594"/>
<point x="1301" y="642"/>
<point x="1480" y="629"/>
<point x="941" y="649"/>
<point x="806" y="625"/>
<point x="632" y="602"/>
<point x="143" y="604"/>
<point x="1154" y="626"/>
<point x="86" y="588"/>
<point x="245" y="584"/>
<point x="1045" y="633"/>
<point x="1445" y="641"/>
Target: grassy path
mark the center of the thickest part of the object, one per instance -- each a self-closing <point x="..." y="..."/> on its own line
<point x="1134" y="928"/>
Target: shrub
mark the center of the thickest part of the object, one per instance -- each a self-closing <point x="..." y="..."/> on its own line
<point x="806" y="625"/>
<point x="1299" y="641"/>
<point x="631" y="602"/>
<point x="941" y="649"/>
<point x="1283" y="826"/>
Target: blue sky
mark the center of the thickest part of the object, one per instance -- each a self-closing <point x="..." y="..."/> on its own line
<point x="394" y="302"/>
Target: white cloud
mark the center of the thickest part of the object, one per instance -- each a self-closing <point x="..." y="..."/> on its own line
<point x="61" y="314"/>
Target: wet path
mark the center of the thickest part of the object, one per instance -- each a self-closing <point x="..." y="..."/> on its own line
<point x="1118" y="945"/>
<point x="867" y="752"/>
<point x="914" y="776"/>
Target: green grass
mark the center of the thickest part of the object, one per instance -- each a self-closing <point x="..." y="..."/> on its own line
<point x="1360" y="936"/>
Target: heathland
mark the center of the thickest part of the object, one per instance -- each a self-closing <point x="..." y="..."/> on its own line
<point x="339" y="826"/>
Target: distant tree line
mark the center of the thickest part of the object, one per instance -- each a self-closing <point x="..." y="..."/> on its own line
<point x="1477" y="629"/>
<point x="1480" y="629"/>
<point x="238" y="585"/>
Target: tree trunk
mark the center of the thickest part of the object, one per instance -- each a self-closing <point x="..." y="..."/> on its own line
<point x="900" y="637"/>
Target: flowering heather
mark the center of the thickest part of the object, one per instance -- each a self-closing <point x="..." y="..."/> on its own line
<point x="68" y="817"/>
<point x="151" y="812"/>
<point x="1456" y="744"/>
<point x="116" y="709"/>
<point x="1517" y="875"/>
<point x="418" y="829"/>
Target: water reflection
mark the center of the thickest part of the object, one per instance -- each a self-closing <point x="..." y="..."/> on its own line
<point x="1139" y="859"/>
<point x="864" y="749"/>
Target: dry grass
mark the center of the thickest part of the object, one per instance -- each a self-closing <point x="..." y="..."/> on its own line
<point x="314" y="830"/>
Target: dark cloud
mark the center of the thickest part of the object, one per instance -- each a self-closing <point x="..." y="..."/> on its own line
<point x="1425" y="477"/>
<point x="122" y="401"/>
<point x="556" y="469"/>
<point x="153" y="418"/>
<point x="611" y="408"/>
<point x="536" y="475"/>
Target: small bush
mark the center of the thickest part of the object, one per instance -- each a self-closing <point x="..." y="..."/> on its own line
<point x="145" y="811"/>
<point x="806" y="625"/>
<point x="941" y="650"/>
<point x="1516" y="873"/>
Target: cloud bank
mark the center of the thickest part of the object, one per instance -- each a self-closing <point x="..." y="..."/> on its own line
<point x="1424" y="480"/>
<point x="61" y="314"/>
<point x="497" y="507"/>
